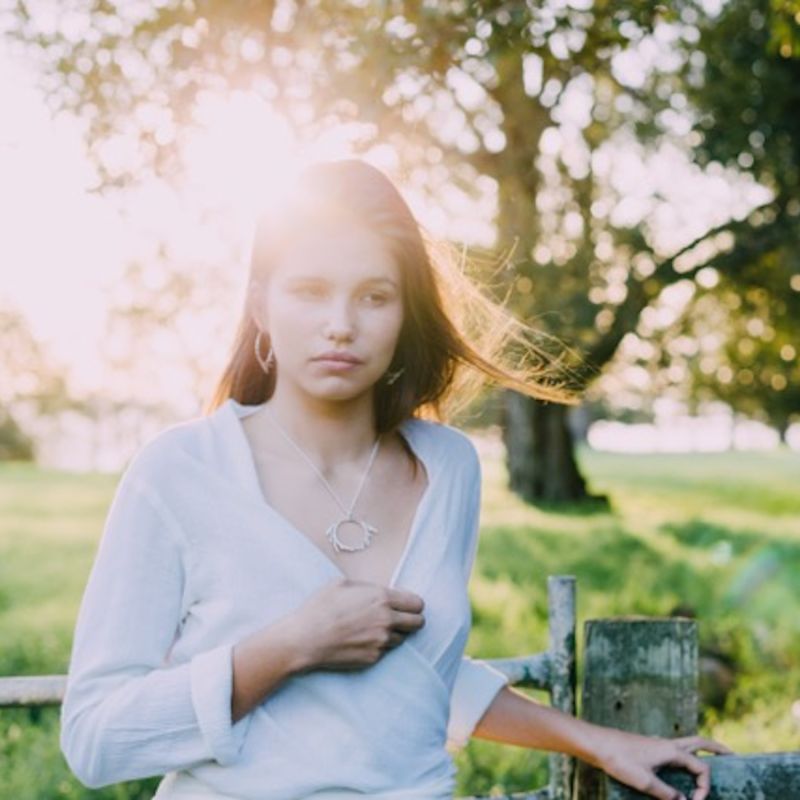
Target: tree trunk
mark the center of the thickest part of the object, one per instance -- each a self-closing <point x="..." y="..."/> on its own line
<point x="782" y="425"/>
<point x="540" y="452"/>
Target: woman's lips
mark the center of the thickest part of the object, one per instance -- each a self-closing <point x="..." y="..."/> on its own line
<point x="334" y="356"/>
<point x="337" y="363"/>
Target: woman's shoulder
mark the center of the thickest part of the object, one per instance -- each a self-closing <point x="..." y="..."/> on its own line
<point x="160" y="454"/>
<point x="449" y="443"/>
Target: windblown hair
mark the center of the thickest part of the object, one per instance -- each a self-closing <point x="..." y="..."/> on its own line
<point x="454" y="337"/>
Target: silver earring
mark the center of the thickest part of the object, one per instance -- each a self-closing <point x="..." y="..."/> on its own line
<point x="270" y="360"/>
<point x="393" y="376"/>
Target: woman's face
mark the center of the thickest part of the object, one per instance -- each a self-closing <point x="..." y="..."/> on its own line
<point x="335" y="290"/>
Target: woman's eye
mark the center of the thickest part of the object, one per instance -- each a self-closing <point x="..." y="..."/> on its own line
<point x="376" y="297"/>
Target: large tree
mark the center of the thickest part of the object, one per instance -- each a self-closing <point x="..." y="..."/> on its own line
<point x="532" y="97"/>
<point x="742" y="82"/>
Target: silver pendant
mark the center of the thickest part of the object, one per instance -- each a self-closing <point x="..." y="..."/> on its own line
<point x="339" y="545"/>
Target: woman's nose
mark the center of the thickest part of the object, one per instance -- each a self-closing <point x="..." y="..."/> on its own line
<point x="340" y="323"/>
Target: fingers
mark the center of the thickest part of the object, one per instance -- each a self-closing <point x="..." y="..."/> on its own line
<point x="700" y="743"/>
<point x="407" y="622"/>
<point x="395" y="638"/>
<point x="678" y="752"/>
<point x="701" y="769"/>
<point x="663" y="791"/>
<point x="405" y="601"/>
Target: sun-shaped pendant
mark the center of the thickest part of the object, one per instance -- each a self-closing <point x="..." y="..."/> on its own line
<point x="333" y="535"/>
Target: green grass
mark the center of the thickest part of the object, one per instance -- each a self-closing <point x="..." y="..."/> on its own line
<point x="717" y="532"/>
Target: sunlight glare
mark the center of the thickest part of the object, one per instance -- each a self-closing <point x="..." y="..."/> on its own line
<point x="243" y="154"/>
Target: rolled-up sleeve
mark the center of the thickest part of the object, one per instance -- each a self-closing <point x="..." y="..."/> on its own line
<point x="212" y="689"/>
<point x="476" y="685"/>
<point x="125" y="713"/>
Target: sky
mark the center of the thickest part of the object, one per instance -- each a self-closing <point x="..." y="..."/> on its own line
<point x="59" y="243"/>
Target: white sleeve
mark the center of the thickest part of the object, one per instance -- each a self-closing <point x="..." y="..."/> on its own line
<point x="126" y="715"/>
<point x="476" y="683"/>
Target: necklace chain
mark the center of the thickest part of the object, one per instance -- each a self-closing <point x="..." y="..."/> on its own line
<point x="332" y="532"/>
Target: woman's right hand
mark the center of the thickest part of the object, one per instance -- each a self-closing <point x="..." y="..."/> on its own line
<point x="350" y="624"/>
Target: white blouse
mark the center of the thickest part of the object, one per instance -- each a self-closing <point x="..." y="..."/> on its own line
<point x="193" y="559"/>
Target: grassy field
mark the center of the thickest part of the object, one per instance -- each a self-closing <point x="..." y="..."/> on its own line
<point x="717" y="532"/>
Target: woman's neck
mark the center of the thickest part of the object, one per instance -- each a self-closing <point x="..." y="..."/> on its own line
<point x="330" y="432"/>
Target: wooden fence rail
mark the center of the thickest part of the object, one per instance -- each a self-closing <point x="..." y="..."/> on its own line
<point x="759" y="776"/>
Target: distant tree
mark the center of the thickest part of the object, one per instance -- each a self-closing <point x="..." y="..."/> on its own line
<point x="751" y="362"/>
<point x="33" y="386"/>
<point x="162" y="317"/>
<point x="15" y="445"/>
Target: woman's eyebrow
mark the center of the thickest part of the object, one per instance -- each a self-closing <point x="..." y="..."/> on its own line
<point x="380" y="279"/>
<point x="312" y="277"/>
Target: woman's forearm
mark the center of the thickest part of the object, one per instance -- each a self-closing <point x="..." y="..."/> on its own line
<point x="515" y="718"/>
<point x="261" y="662"/>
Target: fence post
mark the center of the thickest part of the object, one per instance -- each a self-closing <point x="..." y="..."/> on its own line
<point x="561" y="604"/>
<point x="640" y="675"/>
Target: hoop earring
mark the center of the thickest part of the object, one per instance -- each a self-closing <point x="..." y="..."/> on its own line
<point x="393" y="376"/>
<point x="270" y="360"/>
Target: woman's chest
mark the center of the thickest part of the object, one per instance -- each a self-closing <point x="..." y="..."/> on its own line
<point x="364" y="527"/>
<point x="249" y="569"/>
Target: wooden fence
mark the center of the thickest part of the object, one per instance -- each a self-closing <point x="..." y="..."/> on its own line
<point x="640" y="674"/>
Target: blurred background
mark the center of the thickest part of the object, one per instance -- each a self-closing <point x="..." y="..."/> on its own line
<point x="625" y="175"/>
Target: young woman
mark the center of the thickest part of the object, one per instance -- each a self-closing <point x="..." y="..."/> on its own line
<point x="278" y="606"/>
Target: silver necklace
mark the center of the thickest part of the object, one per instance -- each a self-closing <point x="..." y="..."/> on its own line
<point x="333" y="530"/>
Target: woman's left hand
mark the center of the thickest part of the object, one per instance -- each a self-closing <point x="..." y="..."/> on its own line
<point x="633" y="759"/>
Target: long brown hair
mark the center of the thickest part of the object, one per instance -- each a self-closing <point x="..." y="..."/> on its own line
<point x="454" y="337"/>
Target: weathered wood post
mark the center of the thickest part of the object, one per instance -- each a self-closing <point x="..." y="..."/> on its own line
<point x="640" y="675"/>
<point x="561" y="602"/>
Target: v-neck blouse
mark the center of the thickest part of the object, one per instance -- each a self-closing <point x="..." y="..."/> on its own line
<point x="190" y="562"/>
